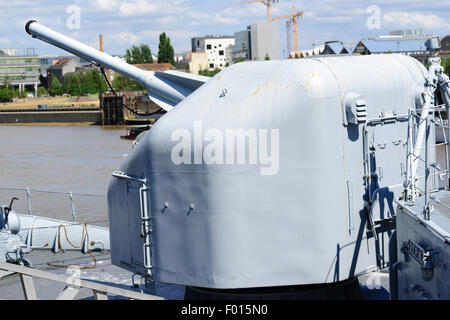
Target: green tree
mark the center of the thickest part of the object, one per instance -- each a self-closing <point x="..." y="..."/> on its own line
<point x="85" y="82"/>
<point x="139" y="54"/>
<point x="267" y="57"/>
<point x="99" y="82"/>
<point x="166" y="53"/>
<point x="446" y="64"/>
<point x="56" y="88"/>
<point x="123" y="83"/>
<point x="209" y="73"/>
<point x="41" y="92"/>
<point x="6" y="94"/>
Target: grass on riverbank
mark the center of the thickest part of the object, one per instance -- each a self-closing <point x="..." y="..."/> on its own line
<point x="32" y="103"/>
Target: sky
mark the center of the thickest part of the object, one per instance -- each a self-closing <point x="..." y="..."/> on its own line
<point x="130" y="22"/>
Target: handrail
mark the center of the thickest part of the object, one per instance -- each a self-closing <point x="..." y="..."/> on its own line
<point x="100" y="291"/>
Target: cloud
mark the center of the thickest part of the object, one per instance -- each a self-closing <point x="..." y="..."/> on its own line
<point x="151" y="7"/>
<point x="107" y="5"/>
<point x="127" y="37"/>
<point x="225" y="20"/>
<point x="404" y="19"/>
<point x="5" y="42"/>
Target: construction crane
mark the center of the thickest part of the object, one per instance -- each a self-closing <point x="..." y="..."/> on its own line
<point x="293" y="18"/>
<point x="268" y="3"/>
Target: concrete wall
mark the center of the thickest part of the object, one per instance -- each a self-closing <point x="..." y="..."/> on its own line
<point x="47" y="117"/>
<point x="198" y="61"/>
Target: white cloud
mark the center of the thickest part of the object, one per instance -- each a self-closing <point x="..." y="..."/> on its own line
<point x="127" y="37"/>
<point x="415" y="20"/>
<point x="225" y="20"/>
<point x="172" y="34"/>
<point x="4" y="42"/>
<point x="152" y="7"/>
<point x="107" y="5"/>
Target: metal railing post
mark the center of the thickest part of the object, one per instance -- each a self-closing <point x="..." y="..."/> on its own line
<point x="74" y="217"/>
<point x="29" y="201"/>
<point x="427" y="172"/>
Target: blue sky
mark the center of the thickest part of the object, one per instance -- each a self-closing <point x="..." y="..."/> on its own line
<point x="124" y="23"/>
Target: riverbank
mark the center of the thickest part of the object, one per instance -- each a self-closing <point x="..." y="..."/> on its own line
<point x="33" y="103"/>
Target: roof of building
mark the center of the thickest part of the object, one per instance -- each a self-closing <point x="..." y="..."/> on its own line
<point x="333" y="47"/>
<point x="59" y="64"/>
<point x="307" y="53"/>
<point x="214" y="37"/>
<point x="155" y="66"/>
<point x="394" y="45"/>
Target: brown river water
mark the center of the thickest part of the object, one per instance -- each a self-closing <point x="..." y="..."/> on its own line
<point x="76" y="158"/>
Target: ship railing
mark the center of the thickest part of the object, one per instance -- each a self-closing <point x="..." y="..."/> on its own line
<point x="72" y="285"/>
<point x="69" y="206"/>
<point x="431" y="170"/>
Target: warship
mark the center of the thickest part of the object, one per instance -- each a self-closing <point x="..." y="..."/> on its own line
<point x="288" y="179"/>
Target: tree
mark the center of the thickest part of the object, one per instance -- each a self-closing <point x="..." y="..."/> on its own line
<point x="85" y="82"/>
<point x="41" y="91"/>
<point x="166" y="53"/>
<point x="267" y="57"/>
<point x="139" y="54"/>
<point x="123" y="83"/>
<point x="6" y="94"/>
<point x="56" y="88"/>
<point x="446" y="64"/>
<point x="209" y="73"/>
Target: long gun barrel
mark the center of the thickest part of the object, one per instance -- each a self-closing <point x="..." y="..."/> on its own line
<point x="165" y="89"/>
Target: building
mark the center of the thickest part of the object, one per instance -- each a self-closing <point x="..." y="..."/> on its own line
<point x="445" y="47"/>
<point x="20" y="68"/>
<point x="46" y="61"/>
<point x="241" y="49"/>
<point x="257" y="42"/>
<point x="61" y="69"/>
<point x="217" y="48"/>
<point x="318" y="50"/>
<point x="197" y="61"/>
<point x="335" y="47"/>
<point x="264" y="41"/>
<point x="410" y="33"/>
<point x="414" y="47"/>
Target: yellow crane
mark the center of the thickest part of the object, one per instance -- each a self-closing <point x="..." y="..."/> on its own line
<point x="293" y="18"/>
<point x="268" y="3"/>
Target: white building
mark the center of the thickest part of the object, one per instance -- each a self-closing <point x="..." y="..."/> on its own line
<point x="217" y="48"/>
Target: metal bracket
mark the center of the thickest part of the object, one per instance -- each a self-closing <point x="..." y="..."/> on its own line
<point x="122" y="175"/>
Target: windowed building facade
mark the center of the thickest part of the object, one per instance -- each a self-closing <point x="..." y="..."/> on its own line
<point x="20" y="69"/>
<point x="217" y="48"/>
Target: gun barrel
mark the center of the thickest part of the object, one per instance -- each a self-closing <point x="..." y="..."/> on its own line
<point x="166" y="91"/>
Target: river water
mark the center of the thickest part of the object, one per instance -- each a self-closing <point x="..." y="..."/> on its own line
<point x="78" y="159"/>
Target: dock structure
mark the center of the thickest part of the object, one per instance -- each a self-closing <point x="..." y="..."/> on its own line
<point x="128" y="108"/>
<point x="51" y="115"/>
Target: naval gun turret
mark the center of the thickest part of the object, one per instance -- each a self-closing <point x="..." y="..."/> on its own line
<point x="272" y="176"/>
